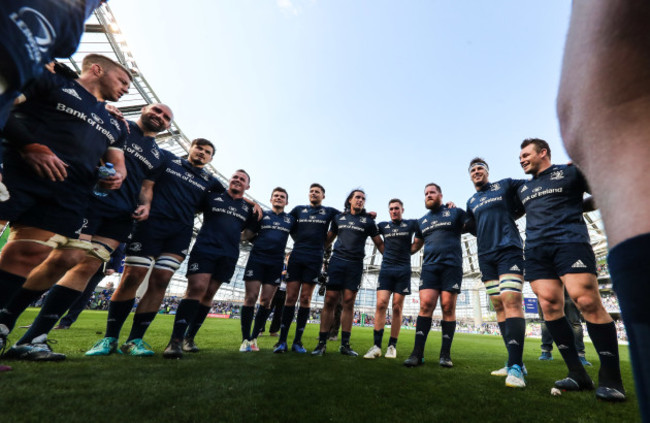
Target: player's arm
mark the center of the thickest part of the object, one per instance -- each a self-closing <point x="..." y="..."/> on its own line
<point x="379" y="243"/>
<point x="331" y="236"/>
<point x="144" y="199"/>
<point x="247" y="234"/>
<point x="256" y="208"/>
<point x="589" y="204"/>
<point x="416" y="245"/>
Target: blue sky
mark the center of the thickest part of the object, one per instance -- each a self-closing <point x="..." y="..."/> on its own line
<point x="382" y="95"/>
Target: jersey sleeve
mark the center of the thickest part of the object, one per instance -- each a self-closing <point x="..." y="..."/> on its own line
<point x="418" y="230"/>
<point x="372" y="230"/>
<point x="334" y="226"/>
<point x="216" y="186"/>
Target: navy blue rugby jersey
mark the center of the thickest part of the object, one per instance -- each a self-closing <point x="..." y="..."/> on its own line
<point x="310" y="231"/>
<point x="181" y="189"/>
<point x="441" y="230"/>
<point x="143" y="161"/>
<point x="33" y="32"/>
<point x="553" y="203"/>
<point x="398" y="237"/>
<point x="352" y="231"/>
<point x="494" y="208"/>
<point x="224" y="218"/>
<point x="272" y="235"/>
<point x="62" y="115"/>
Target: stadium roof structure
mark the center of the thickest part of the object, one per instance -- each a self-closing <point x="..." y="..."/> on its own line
<point x="102" y="35"/>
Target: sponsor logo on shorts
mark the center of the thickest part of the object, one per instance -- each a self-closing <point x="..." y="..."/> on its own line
<point x="405" y="290"/>
<point x="72" y="92"/>
<point x="456" y="286"/>
<point x="193" y="267"/>
<point x="515" y="268"/>
<point x="249" y="273"/>
<point x="578" y="265"/>
<point x="135" y="246"/>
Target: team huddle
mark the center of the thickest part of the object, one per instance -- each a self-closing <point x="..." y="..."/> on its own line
<point x="57" y="130"/>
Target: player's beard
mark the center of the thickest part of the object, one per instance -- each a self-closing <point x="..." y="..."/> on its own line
<point x="436" y="204"/>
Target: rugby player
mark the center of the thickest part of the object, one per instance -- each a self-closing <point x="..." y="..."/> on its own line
<point x="351" y="228"/>
<point x="309" y="235"/>
<point x="213" y="258"/>
<point x="604" y="117"/>
<point x="108" y="222"/>
<point x="493" y="210"/>
<point x="558" y="254"/>
<point x="442" y="272"/>
<point x="394" y="276"/>
<point x="161" y="241"/>
<point x="265" y="265"/>
<point x="51" y="167"/>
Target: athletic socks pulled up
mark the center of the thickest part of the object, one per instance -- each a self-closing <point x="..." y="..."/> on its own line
<point x="422" y="328"/>
<point x="141" y="322"/>
<point x="516" y="333"/>
<point x="301" y="323"/>
<point x="562" y="334"/>
<point x="15" y="307"/>
<point x="287" y="318"/>
<point x="247" y="313"/>
<point x="57" y="302"/>
<point x="118" y="311"/>
<point x="196" y="323"/>
<point x="378" y="336"/>
<point x="9" y="285"/>
<point x="185" y="314"/>
<point x="448" y="330"/>
<point x="260" y="320"/>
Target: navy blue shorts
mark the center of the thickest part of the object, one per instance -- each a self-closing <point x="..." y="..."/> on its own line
<point x="441" y="277"/>
<point x="304" y="270"/>
<point x="220" y="269"/>
<point x="118" y="226"/>
<point x="344" y="274"/>
<point x="155" y="236"/>
<point x="395" y="280"/>
<point x="36" y="202"/>
<point x="264" y="271"/>
<point x="501" y="262"/>
<point x="555" y="260"/>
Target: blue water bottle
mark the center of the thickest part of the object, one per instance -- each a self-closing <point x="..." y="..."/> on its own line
<point x="104" y="172"/>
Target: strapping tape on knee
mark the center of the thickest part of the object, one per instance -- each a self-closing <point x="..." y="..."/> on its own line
<point x="138" y="261"/>
<point x="58" y="241"/>
<point x="100" y="250"/>
<point x="513" y="283"/>
<point x="167" y="263"/>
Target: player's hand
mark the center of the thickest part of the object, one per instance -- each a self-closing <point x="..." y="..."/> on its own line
<point x="450" y="205"/>
<point x="45" y="163"/>
<point x="373" y="214"/>
<point x="258" y="211"/>
<point x="117" y="113"/>
<point x="112" y="182"/>
<point x="141" y="213"/>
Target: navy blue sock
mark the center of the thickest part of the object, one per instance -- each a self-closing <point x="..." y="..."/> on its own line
<point x="118" y="312"/>
<point x="562" y="334"/>
<point x="287" y="318"/>
<point x="301" y="323"/>
<point x="9" y="285"/>
<point x="201" y="314"/>
<point x="378" y="335"/>
<point x="247" y="313"/>
<point x="503" y="329"/>
<point x="629" y="267"/>
<point x="345" y="337"/>
<point x="56" y="303"/>
<point x="260" y="321"/>
<point x="516" y="330"/>
<point x="422" y="328"/>
<point x="606" y="343"/>
<point x="141" y="322"/>
<point x="392" y="341"/>
<point x="448" y="330"/>
<point x="14" y="308"/>
<point x="185" y="314"/>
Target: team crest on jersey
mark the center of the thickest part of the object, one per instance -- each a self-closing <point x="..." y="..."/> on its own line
<point x="495" y="187"/>
<point x="72" y="92"/>
<point x="97" y="118"/>
<point x="557" y="175"/>
<point x="363" y="219"/>
<point x="136" y="147"/>
<point x="244" y="207"/>
<point x="471" y="200"/>
<point x="537" y="189"/>
<point x="286" y="219"/>
<point x="193" y="267"/>
<point x="321" y="211"/>
<point x="446" y="213"/>
<point x="205" y="176"/>
<point x="115" y="124"/>
<point x="156" y="153"/>
<point x="135" y="246"/>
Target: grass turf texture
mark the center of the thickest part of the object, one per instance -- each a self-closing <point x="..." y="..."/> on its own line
<point x="221" y="384"/>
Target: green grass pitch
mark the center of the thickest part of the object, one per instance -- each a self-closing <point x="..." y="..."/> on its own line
<point x="220" y="384"/>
